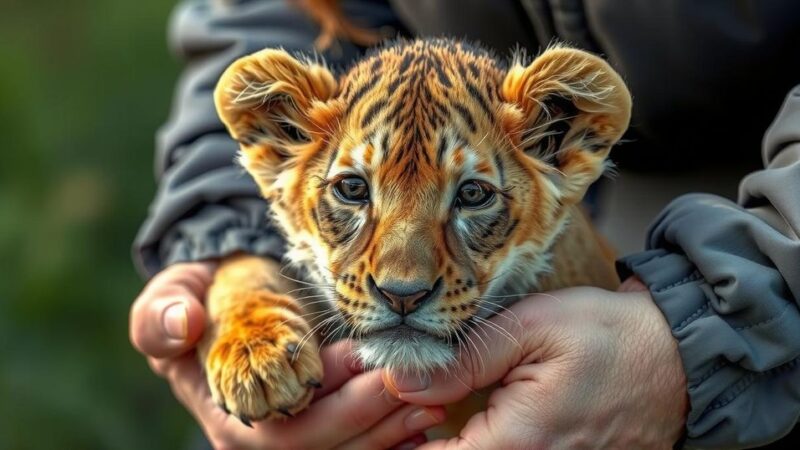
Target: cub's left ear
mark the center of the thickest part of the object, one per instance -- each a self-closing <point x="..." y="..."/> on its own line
<point x="568" y="108"/>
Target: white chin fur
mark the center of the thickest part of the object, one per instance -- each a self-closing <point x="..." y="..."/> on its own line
<point x="419" y="354"/>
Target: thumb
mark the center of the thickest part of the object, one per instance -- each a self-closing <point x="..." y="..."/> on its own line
<point x="168" y="318"/>
<point x="486" y="354"/>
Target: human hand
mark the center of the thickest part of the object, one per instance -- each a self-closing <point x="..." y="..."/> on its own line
<point x="586" y="368"/>
<point x="351" y="410"/>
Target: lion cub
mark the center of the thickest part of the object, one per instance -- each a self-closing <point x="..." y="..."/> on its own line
<point x="421" y="191"/>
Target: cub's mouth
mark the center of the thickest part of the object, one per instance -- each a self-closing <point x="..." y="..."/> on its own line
<point x="397" y="333"/>
<point x="404" y="348"/>
<point x="408" y="325"/>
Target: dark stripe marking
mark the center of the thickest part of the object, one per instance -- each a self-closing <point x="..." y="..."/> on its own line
<point x="476" y="95"/>
<point x="466" y="115"/>
<point x="441" y="150"/>
<point x="362" y="91"/>
<point x="372" y="111"/>
<point x="443" y="78"/>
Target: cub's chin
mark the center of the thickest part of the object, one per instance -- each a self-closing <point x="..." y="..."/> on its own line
<point x="404" y="349"/>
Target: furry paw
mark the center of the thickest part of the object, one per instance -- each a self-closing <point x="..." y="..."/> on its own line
<point x="258" y="364"/>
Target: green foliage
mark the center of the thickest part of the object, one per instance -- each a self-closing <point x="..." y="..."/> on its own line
<point x="84" y="84"/>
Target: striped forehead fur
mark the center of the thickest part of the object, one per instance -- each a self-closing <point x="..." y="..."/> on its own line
<point x="415" y="88"/>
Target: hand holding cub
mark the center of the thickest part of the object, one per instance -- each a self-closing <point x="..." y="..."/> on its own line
<point x="579" y="368"/>
<point x="351" y="410"/>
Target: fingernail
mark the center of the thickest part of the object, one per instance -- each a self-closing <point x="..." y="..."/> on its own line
<point x="421" y="419"/>
<point x="407" y="446"/>
<point x="399" y="383"/>
<point x="392" y="398"/>
<point x="175" y="321"/>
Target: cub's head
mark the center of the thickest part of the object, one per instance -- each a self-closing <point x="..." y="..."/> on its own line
<point x="426" y="181"/>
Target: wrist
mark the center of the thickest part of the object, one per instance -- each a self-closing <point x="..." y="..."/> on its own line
<point x="664" y="373"/>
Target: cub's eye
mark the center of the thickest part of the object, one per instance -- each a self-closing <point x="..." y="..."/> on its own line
<point x="352" y="189"/>
<point x="473" y="195"/>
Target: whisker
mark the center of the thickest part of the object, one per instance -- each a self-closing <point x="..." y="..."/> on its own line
<point x="499" y="275"/>
<point x="310" y="296"/>
<point x="481" y="364"/>
<point x="461" y="348"/>
<point x="309" y="335"/>
<point x="317" y="302"/>
<point x="482" y="139"/>
<point x="499" y="329"/>
<point x="510" y="295"/>
<point x="455" y="374"/>
<point x="330" y="336"/>
<point x="481" y="339"/>
<point x="548" y="296"/>
<point x="311" y="287"/>
<point x="501" y="313"/>
<point x="303" y="282"/>
<point x="307" y="316"/>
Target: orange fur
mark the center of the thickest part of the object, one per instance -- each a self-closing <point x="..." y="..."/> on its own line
<point x="414" y="120"/>
<point x="246" y="347"/>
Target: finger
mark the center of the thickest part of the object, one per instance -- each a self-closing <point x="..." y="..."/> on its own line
<point x="474" y="436"/>
<point x="194" y="277"/>
<point x="190" y="387"/>
<point x="513" y="335"/>
<point x="404" y="424"/>
<point x="168" y="317"/>
<point x="411" y="443"/>
<point x="341" y="415"/>
<point x="164" y="327"/>
<point x="456" y="443"/>
<point x="339" y="366"/>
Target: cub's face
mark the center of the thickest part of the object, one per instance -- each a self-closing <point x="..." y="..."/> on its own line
<point x="426" y="186"/>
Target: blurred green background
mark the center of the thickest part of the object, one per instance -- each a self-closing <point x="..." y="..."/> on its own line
<point x="84" y="84"/>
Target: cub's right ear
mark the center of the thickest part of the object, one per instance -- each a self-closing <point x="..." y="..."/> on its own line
<point x="273" y="104"/>
<point x="569" y="108"/>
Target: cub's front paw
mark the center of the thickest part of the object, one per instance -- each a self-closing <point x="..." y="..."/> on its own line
<point x="259" y="366"/>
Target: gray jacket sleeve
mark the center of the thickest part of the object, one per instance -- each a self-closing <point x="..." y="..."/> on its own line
<point x="206" y="205"/>
<point x="727" y="277"/>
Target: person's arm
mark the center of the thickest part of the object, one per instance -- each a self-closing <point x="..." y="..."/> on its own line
<point x="207" y="207"/>
<point x="727" y="278"/>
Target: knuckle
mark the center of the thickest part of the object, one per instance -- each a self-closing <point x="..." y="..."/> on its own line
<point x="531" y="311"/>
<point x="174" y="288"/>
<point x="193" y="276"/>
<point x="373" y="440"/>
<point x="463" y="443"/>
<point x="358" y="421"/>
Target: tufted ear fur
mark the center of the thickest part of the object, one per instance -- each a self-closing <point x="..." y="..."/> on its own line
<point x="570" y="108"/>
<point x="274" y="106"/>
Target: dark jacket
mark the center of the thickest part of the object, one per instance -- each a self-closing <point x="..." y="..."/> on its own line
<point x="705" y="78"/>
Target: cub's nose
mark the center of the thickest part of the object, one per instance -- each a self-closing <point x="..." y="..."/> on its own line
<point x="403" y="297"/>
